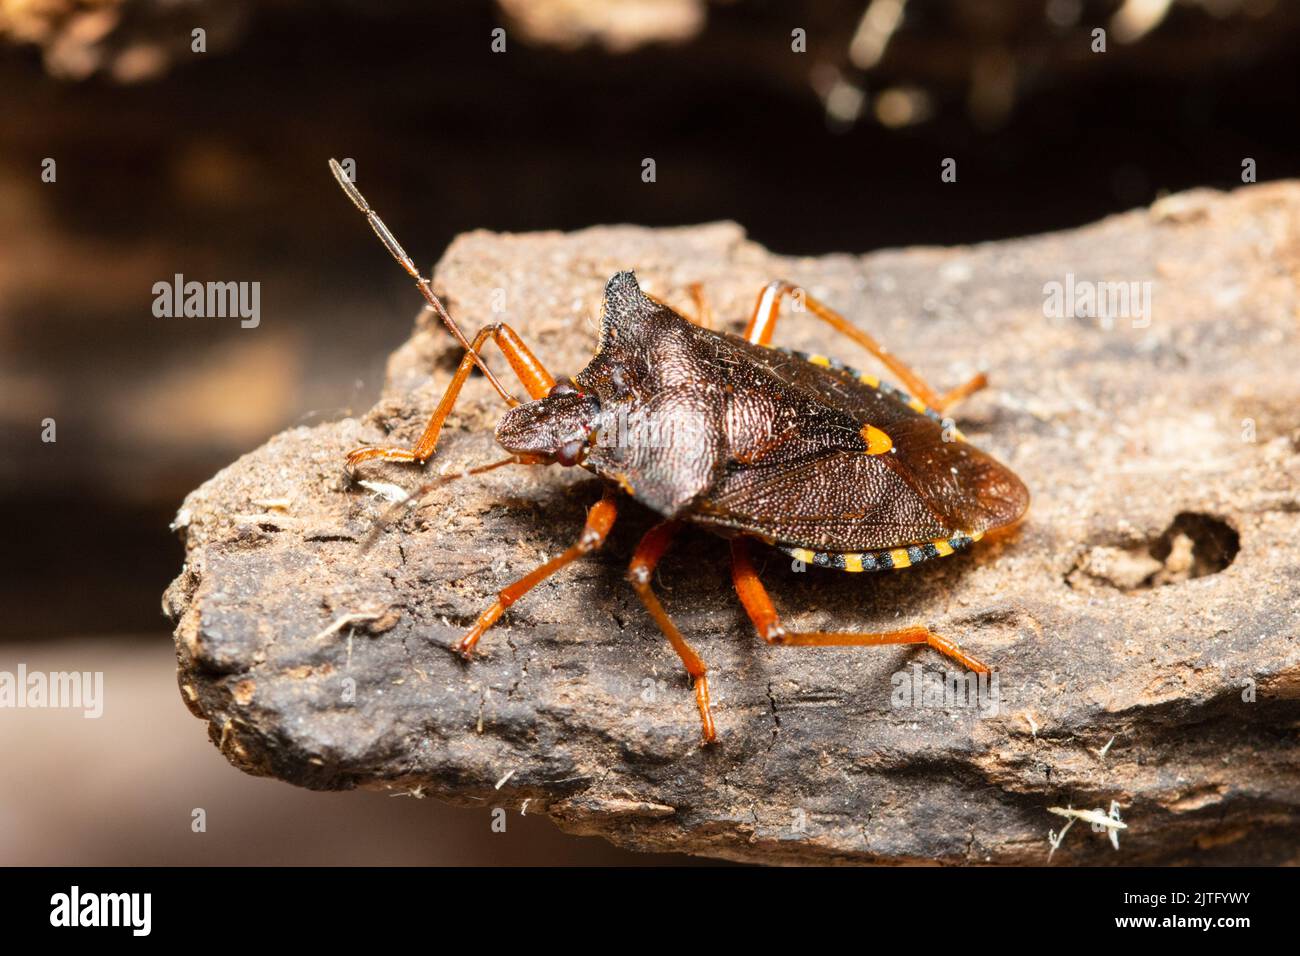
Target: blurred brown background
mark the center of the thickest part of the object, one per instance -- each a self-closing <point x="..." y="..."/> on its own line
<point x="212" y="165"/>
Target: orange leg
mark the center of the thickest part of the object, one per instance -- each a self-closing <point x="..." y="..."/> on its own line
<point x="530" y="371"/>
<point x="640" y="572"/>
<point x="599" y="520"/>
<point x="703" y="316"/>
<point x="758" y="604"/>
<point x="703" y="309"/>
<point x="965" y="390"/>
<point x="763" y="323"/>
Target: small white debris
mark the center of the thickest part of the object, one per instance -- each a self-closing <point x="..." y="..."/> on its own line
<point x="1097" y="817"/>
<point x="347" y="620"/>
<point x="1114" y="831"/>
<point x="385" y="490"/>
<point x="1054" y="838"/>
<point x="273" y="504"/>
<point x="502" y="782"/>
<point x="1028" y="718"/>
<point x="1101" y="754"/>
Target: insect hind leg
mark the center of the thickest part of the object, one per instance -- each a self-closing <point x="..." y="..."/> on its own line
<point x="762" y="324"/>
<point x="762" y="612"/>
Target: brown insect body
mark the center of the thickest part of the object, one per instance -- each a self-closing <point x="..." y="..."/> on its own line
<point x="706" y="427"/>
<point x="752" y="442"/>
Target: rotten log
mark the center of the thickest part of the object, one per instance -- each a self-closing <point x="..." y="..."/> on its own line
<point x="1143" y="621"/>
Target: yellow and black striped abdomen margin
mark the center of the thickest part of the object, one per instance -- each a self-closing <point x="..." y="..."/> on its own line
<point x="873" y="381"/>
<point x="887" y="560"/>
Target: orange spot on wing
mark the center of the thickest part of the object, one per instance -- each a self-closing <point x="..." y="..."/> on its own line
<point x="877" y="441"/>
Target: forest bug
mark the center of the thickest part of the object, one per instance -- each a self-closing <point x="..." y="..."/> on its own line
<point x="831" y="465"/>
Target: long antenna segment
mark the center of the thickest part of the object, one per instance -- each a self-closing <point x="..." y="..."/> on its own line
<point x="395" y="249"/>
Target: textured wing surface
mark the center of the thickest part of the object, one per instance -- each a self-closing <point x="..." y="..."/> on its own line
<point x="817" y="488"/>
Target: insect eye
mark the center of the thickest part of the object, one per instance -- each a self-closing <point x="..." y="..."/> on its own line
<point x="571" y="452"/>
<point x="564" y="386"/>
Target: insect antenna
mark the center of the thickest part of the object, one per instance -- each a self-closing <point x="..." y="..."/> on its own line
<point x="415" y="497"/>
<point x="395" y="249"/>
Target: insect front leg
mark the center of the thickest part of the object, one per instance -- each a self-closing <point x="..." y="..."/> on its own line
<point x="640" y="572"/>
<point x="758" y="605"/>
<point x="531" y="373"/>
<point x="762" y="324"/>
<point x="599" y="520"/>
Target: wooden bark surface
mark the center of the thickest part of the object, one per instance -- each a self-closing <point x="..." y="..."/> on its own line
<point x="1143" y="621"/>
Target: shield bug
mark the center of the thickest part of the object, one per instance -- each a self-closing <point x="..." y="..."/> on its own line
<point x="755" y="443"/>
